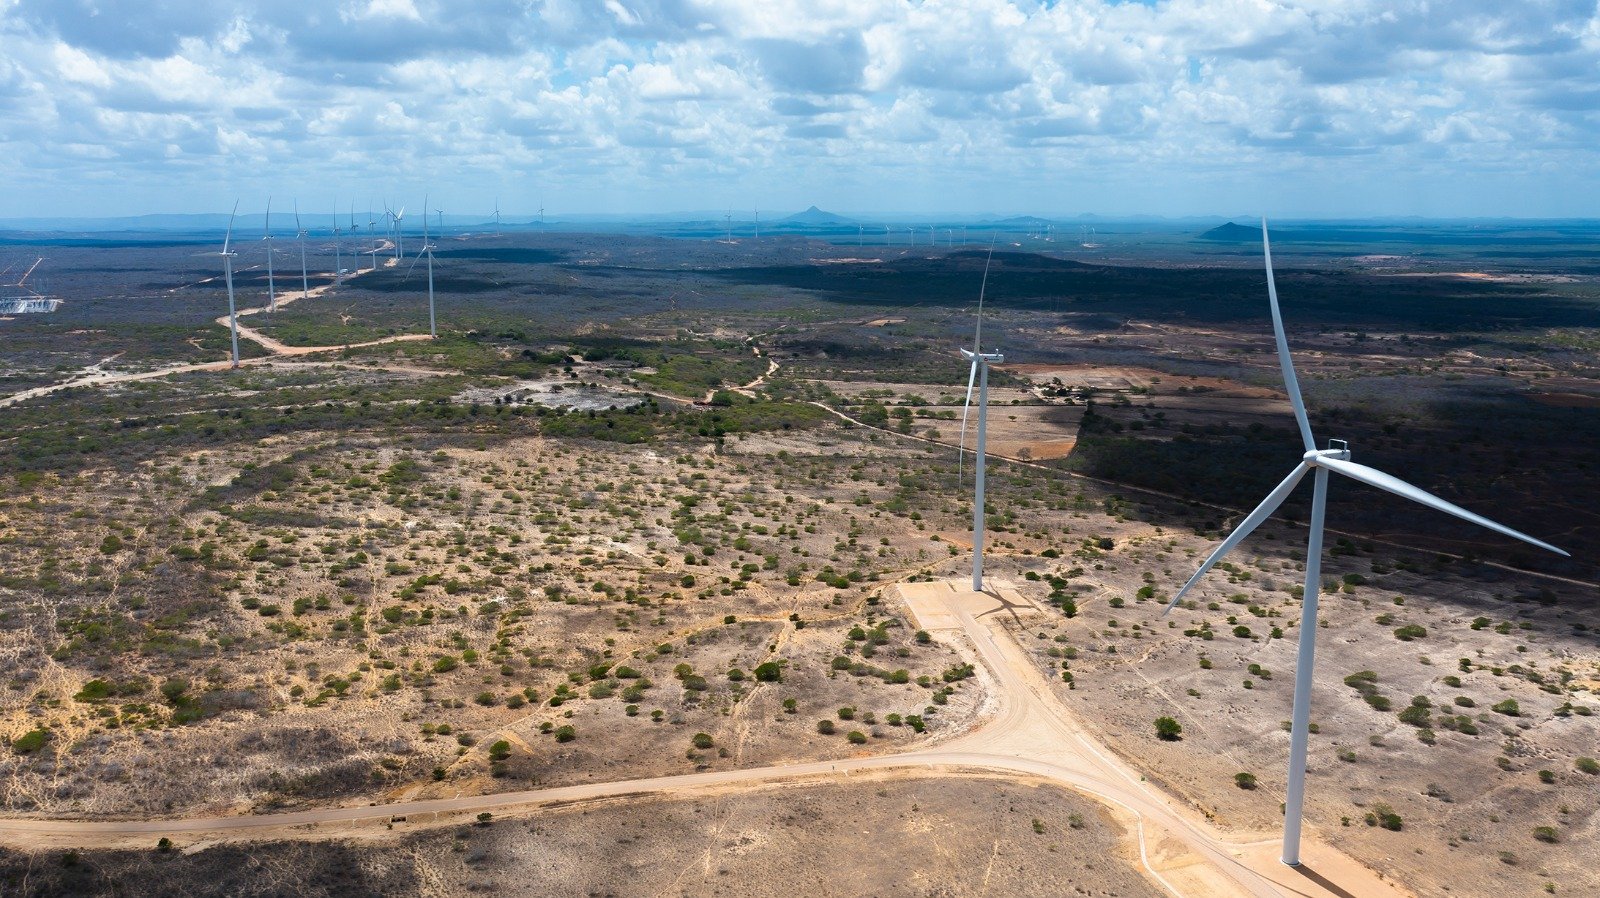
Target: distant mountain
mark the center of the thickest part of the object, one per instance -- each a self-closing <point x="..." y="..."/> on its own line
<point x="814" y="216"/>
<point x="1027" y="221"/>
<point x="1231" y="233"/>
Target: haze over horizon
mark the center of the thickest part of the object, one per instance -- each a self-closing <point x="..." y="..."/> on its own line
<point x="1338" y="109"/>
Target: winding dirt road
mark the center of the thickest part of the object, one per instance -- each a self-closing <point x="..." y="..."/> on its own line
<point x="1029" y="734"/>
<point x="96" y="375"/>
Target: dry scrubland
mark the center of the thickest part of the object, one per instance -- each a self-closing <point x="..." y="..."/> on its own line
<point x="368" y="580"/>
<point x="411" y="621"/>
<point x="890" y="837"/>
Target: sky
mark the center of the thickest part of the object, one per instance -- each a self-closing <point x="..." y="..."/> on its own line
<point x="1326" y="108"/>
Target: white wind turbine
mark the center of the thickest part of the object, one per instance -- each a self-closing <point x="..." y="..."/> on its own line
<point x="372" y="234"/>
<point x="338" y="265"/>
<point x="1322" y="461"/>
<point x="399" y="229"/>
<point x="272" y="292"/>
<point x="427" y="250"/>
<point x="300" y="235"/>
<point x="497" y="216"/>
<point x="979" y="374"/>
<point x="227" y="267"/>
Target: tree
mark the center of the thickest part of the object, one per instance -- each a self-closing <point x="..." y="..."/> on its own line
<point x="500" y="750"/>
<point x="1168" y="729"/>
<point x="703" y="740"/>
<point x="769" y="672"/>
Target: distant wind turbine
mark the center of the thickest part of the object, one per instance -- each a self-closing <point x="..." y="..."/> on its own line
<point x="497" y="216"/>
<point x="1336" y="458"/>
<point x="338" y="265"/>
<point x="227" y="255"/>
<point x="427" y="250"/>
<point x="758" y="224"/>
<point x="272" y="293"/>
<point x="300" y="234"/>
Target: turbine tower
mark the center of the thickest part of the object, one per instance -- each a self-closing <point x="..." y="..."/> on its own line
<point x="497" y="216"/>
<point x="227" y="268"/>
<point x="300" y="235"/>
<point x="272" y="292"/>
<point x="1335" y="458"/>
<point x="979" y="374"/>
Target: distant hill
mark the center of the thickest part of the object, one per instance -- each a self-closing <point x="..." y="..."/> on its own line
<point x="814" y="216"/>
<point x="1231" y="233"/>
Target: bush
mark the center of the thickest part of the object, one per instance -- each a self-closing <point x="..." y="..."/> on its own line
<point x="857" y="737"/>
<point x="1546" y="834"/>
<point x="825" y="727"/>
<point x="1168" y="729"/>
<point x="445" y="664"/>
<point x="500" y="750"/>
<point x="566" y="733"/>
<point x="1587" y="765"/>
<point x="1410" y="632"/>
<point x="1508" y="707"/>
<point x="31" y="741"/>
<point x="702" y="740"/>
<point x="1244" y="780"/>
<point x="769" y="672"/>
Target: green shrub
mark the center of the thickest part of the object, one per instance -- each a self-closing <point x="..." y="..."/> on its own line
<point x="1168" y="729"/>
<point x="1508" y="707"/>
<point x="702" y="740"/>
<point x="856" y="737"/>
<point x="1587" y="765"/>
<point x="1244" y="780"/>
<point x="31" y="741"/>
<point x="825" y="727"/>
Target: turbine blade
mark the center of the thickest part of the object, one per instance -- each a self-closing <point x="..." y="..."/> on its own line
<point x="1246" y="526"/>
<point x="1290" y="383"/>
<point x="229" y="239"/>
<point x="977" y="333"/>
<point x="413" y="265"/>
<point x="961" y="450"/>
<point x="1387" y="483"/>
<point x="297" y="216"/>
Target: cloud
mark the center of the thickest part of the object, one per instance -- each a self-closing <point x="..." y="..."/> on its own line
<point x="669" y="101"/>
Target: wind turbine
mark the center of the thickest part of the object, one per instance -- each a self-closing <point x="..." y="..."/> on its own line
<point x="1335" y="458"/>
<point x="730" y="225"/>
<point x="758" y="224"/>
<point x="427" y="250"/>
<point x="372" y="233"/>
<point x="440" y="213"/>
<point x="227" y="268"/>
<point x="272" y="293"/>
<point x="861" y="235"/>
<point x="979" y="373"/>
<point x="399" y="229"/>
<point x="497" y="216"/>
<point x="338" y="266"/>
<point x="300" y="234"/>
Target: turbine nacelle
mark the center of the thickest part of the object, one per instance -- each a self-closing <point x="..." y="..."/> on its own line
<point x="988" y="358"/>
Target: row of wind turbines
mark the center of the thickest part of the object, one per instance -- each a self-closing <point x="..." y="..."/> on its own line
<point x="1320" y="462"/>
<point x="394" y="221"/>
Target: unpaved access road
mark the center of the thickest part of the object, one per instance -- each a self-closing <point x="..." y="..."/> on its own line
<point x="96" y="375"/>
<point x="1028" y="733"/>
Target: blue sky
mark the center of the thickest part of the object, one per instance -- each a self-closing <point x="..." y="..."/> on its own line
<point x="1337" y="108"/>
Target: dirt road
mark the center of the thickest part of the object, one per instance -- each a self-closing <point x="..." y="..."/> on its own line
<point x="1029" y="733"/>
